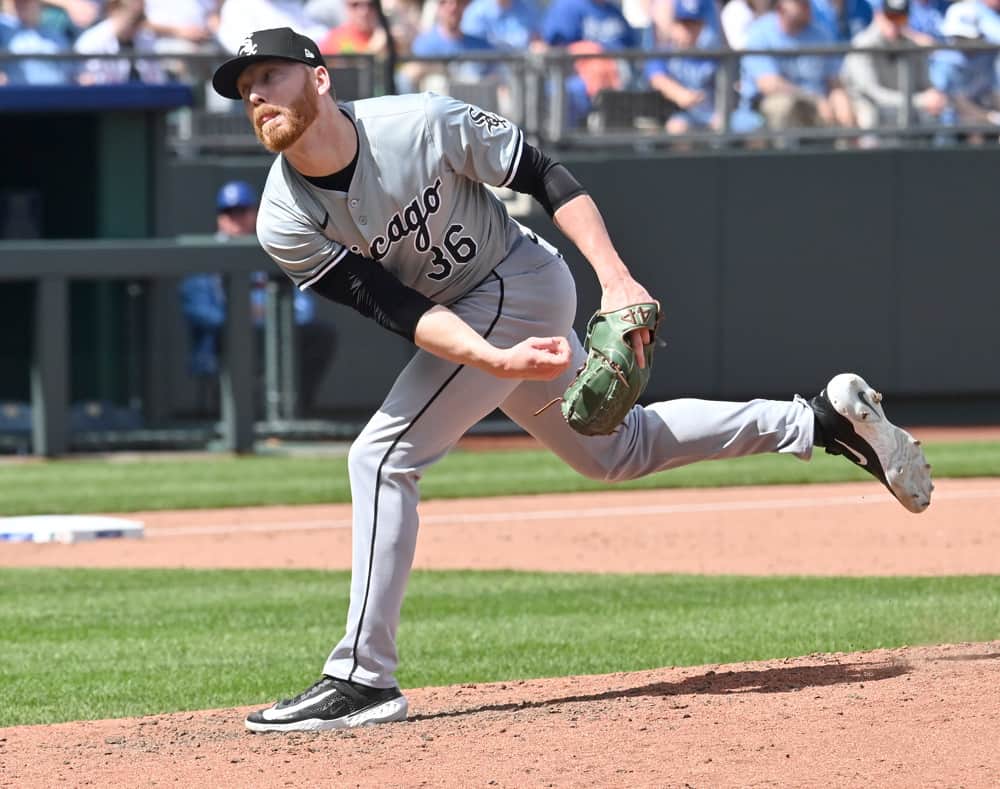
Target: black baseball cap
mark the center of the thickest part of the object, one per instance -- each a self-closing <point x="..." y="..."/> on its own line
<point x="282" y="43"/>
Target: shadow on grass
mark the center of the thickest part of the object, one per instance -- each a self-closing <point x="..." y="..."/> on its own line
<point x="772" y="680"/>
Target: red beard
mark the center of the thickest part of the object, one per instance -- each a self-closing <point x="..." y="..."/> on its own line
<point x="295" y="119"/>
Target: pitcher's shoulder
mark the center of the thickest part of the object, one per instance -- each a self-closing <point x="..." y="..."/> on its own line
<point x="388" y="106"/>
<point x="277" y="186"/>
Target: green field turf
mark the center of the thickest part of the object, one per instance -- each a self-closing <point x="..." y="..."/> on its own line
<point x="80" y="486"/>
<point x="79" y="644"/>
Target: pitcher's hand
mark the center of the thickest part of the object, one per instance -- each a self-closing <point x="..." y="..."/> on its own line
<point x="622" y="293"/>
<point x="536" y="358"/>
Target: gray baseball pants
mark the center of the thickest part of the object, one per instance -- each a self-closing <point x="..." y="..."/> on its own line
<point x="434" y="402"/>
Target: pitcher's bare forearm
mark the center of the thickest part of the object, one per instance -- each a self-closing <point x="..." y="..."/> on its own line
<point x="583" y="224"/>
<point x="444" y="334"/>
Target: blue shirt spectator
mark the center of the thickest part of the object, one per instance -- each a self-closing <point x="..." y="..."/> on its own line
<point x="969" y="78"/>
<point x="794" y="91"/>
<point x="7" y="26"/>
<point x="989" y="20"/>
<point x="568" y="21"/>
<point x="687" y="82"/>
<point x="203" y="297"/>
<point x="926" y="16"/>
<point x="203" y="301"/>
<point x="446" y="39"/>
<point x="69" y="19"/>
<point x="436" y="42"/>
<point x="662" y="12"/>
<point x="811" y="73"/>
<point x="506" y="24"/>
<point x="842" y="19"/>
<point x="25" y="35"/>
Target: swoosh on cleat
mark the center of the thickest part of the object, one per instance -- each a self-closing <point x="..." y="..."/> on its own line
<point x="860" y="459"/>
<point x="276" y="714"/>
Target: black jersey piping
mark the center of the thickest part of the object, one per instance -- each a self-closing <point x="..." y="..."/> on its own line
<point x="378" y="480"/>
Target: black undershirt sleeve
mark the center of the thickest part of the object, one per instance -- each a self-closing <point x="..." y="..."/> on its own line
<point x="367" y="287"/>
<point x="551" y="184"/>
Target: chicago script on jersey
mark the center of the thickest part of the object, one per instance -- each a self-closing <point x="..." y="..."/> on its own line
<point x="412" y="219"/>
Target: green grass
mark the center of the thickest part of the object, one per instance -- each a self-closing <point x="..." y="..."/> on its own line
<point x="79" y="486"/>
<point x="80" y="644"/>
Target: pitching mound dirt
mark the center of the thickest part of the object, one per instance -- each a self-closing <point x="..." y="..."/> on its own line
<point x="891" y="718"/>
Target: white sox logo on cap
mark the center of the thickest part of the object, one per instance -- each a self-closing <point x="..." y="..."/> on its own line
<point x="248" y="47"/>
<point x="281" y="43"/>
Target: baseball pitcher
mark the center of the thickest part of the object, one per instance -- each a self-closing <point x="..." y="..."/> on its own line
<point x="382" y="205"/>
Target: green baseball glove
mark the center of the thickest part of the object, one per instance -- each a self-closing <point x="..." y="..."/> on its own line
<point x="610" y="383"/>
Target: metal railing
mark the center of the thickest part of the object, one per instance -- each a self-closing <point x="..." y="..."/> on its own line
<point x="531" y="89"/>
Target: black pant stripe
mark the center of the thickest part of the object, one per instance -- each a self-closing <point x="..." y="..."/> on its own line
<point x="378" y="478"/>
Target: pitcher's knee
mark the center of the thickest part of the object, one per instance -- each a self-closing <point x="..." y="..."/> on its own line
<point x="622" y="473"/>
<point x="364" y="457"/>
<point x="391" y="464"/>
<point x="603" y="469"/>
<point x="591" y="466"/>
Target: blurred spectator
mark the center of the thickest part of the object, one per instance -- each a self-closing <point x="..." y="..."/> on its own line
<point x="123" y="32"/>
<point x="738" y="15"/>
<point x="989" y="20"/>
<point x="22" y="32"/>
<point x="360" y="31"/>
<point x="7" y="26"/>
<point x="203" y="302"/>
<point x="239" y="18"/>
<point x="926" y="17"/>
<point x="638" y="13"/>
<point x="447" y="40"/>
<point x="842" y="19"/>
<point x="600" y="21"/>
<point x="328" y="13"/>
<point x="796" y="91"/>
<point x="687" y="82"/>
<point x="404" y="22"/>
<point x="25" y="35"/>
<point x="662" y="12"/>
<point x="506" y="24"/>
<point x="70" y="17"/>
<point x="968" y="78"/>
<point x="590" y="77"/>
<point x="184" y="25"/>
<point x="873" y="80"/>
<point x="588" y="27"/>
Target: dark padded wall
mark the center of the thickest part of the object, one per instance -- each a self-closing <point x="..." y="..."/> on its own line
<point x="948" y="272"/>
<point x="775" y="269"/>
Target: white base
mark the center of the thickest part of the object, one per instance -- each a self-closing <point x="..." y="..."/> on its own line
<point x="67" y="528"/>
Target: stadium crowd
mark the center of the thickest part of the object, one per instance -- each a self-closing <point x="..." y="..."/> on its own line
<point x="775" y="91"/>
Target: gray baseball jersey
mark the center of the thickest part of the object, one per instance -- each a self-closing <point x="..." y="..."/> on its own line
<point x="431" y="222"/>
<point x="417" y="205"/>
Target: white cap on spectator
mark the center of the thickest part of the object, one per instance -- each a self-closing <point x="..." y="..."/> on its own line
<point x="961" y="20"/>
